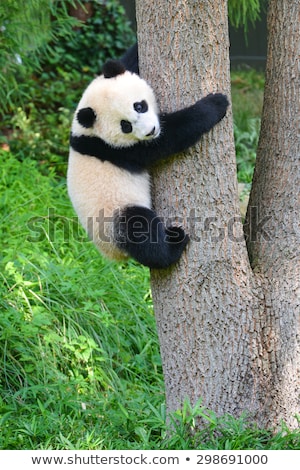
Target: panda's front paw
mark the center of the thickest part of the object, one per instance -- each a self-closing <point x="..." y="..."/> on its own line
<point x="218" y="102"/>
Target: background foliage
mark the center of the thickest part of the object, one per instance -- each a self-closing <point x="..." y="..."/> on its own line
<point x="43" y="82"/>
<point x="26" y="30"/>
<point x="40" y="40"/>
<point x="41" y="35"/>
<point x="241" y="12"/>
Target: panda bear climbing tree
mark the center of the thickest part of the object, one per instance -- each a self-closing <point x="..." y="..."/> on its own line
<point x="117" y="134"/>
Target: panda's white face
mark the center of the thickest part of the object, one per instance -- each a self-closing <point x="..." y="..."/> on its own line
<point x="121" y="110"/>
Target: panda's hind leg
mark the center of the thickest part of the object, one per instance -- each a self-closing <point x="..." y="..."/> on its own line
<point x="141" y="233"/>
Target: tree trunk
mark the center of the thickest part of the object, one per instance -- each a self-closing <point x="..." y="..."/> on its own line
<point x="211" y="309"/>
<point x="274" y="248"/>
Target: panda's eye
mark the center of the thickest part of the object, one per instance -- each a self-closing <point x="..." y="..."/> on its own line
<point x="126" y="127"/>
<point x="141" y="106"/>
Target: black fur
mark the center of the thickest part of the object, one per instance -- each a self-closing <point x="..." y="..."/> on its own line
<point x="140" y="233"/>
<point x="130" y="59"/>
<point x="86" y="117"/>
<point x="112" y="68"/>
<point x="138" y="230"/>
<point x="179" y="131"/>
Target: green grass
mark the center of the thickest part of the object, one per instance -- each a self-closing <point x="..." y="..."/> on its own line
<point x="80" y="362"/>
<point x="247" y="101"/>
<point x="80" y="357"/>
<point x="75" y="330"/>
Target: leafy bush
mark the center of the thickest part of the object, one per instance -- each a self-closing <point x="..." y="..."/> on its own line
<point x="40" y="127"/>
<point x="74" y="60"/>
<point x="107" y="33"/>
<point x="42" y="136"/>
<point x="245" y="147"/>
<point x="247" y="100"/>
<point x="41" y="37"/>
<point x="26" y="28"/>
<point x="241" y="12"/>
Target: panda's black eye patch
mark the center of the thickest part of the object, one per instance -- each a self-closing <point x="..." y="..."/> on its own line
<point x="141" y="106"/>
<point x="86" y="117"/>
<point x="126" y="126"/>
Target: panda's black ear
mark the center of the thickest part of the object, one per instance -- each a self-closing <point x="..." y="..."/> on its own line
<point x="86" y="117"/>
<point x="112" y="68"/>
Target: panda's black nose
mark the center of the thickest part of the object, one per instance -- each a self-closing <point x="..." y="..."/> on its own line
<point x="151" y="133"/>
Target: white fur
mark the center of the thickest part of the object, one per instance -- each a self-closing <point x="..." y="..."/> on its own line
<point x="97" y="189"/>
<point x="112" y="99"/>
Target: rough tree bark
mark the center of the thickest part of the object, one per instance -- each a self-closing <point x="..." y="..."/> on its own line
<point x="228" y="332"/>
<point x="275" y="203"/>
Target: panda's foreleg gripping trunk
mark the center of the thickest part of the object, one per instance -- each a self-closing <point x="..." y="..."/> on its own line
<point x="141" y="233"/>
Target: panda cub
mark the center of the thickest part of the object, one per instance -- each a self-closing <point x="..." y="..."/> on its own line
<point x="117" y="134"/>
